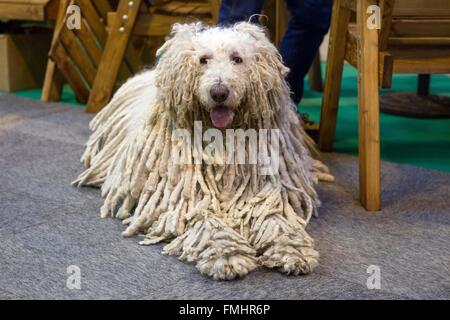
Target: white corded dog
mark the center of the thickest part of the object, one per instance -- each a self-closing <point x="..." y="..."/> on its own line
<point x="226" y="217"/>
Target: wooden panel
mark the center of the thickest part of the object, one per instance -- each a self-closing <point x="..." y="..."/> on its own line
<point x="436" y="42"/>
<point x="78" y="54"/>
<point x="154" y="25"/>
<point x="169" y="7"/>
<point x="368" y="112"/>
<point x="89" y="43"/>
<point x="420" y="28"/>
<point x="89" y="13"/>
<point x="335" y="65"/>
<point x="70" y="72"/>
<point x="387" y="9"/>
<point x="385" y="69"/>
<point x="113" y="55"/>
<point x="103" y="7"/>
<point x="20" y="11"/>
<point x="421" y="60"/>
<point x="53" y="82"/>
<point x="423" y="8"/>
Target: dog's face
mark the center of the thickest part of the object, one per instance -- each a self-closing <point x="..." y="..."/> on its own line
<point x="224" y="57"/>
<point x="225" y="71"/>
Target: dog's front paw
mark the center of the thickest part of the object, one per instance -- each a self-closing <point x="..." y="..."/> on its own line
<point x="227" y="267"/>
<point x="290" y="260"/>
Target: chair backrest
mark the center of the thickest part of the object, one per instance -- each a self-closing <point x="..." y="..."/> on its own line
<point x="420" y="22"/>
<point x="422" y="8"/>
<point x="77" y="51"/>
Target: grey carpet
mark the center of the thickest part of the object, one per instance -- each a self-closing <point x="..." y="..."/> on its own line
<point x="47" y="225"/>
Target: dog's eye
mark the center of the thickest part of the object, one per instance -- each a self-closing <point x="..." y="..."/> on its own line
<point x="237" y="59"/>
<point x="203" y="60"/>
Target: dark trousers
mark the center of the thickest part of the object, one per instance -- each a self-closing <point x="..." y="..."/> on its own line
<point x="310" y="22"/>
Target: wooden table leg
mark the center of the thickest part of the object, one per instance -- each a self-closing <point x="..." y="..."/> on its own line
<point x="335" y="65"/>
<point x="54" y="81"/>
<point x="113" y="54"/>
<point x="315" y="75"/>
<point x="368" y="111"/>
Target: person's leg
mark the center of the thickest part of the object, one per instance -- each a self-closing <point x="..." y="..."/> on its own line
<point x="309" y="23"/>
<point x="232" y="11"/>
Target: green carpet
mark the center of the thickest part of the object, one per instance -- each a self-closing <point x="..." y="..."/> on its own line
<point x="423" y="143"/>
<point x="67" y="96"/>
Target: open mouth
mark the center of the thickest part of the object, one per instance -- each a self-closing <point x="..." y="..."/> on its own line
<point x="221" y="116"/>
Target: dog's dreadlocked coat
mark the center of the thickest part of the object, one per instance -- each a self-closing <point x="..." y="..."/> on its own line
<point x="224" y="217"/>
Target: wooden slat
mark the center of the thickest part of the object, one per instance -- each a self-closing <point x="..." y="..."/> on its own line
<point x="78" y="55"/>
<point x="168" y="8"/>
<point x="203" y="12"/>
<point x="187" y="9"/>
<point x="421" y="60"/>
<point x="424" y="8"/>
<point x="368" y="112"/>
<point x="113" y="55"/>
<point x="71" y="74"/>
<point x="53" y="81"/>
<point x="155" y="25"/>
<point x="26" y="2"/>
<point x="90" y="14"/>
<point x="89" y="43"/>
<point x="103" y="8"/>
<point x="335" y="65"/>
<point x="385" y="69"/>
<point x="21" y="11"/>
<point x="387" y="10"/>
<point x="420" y="28"/>
<point x="419" y="41"/>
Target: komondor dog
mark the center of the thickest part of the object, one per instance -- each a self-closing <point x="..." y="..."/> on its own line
<point x="226" y="215"/>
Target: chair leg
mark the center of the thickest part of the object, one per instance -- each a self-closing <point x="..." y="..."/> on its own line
<point x="113" y="55"/>
<point x="315" y="75"/>
<point x="335" y="65"/>
<point x="423" y="85"/>
<point x="54" y="81"/>
<point x="368" y="111"/>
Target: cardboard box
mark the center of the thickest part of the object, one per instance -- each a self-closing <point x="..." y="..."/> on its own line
<point x="23" y="59"/>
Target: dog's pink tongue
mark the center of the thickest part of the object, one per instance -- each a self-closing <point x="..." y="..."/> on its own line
<point x="221" y="117"/>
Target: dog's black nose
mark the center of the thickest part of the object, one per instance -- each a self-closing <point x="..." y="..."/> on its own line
<point x="219" y="92"/>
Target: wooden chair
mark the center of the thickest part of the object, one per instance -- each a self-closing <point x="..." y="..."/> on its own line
<point x="414" y="38"/>
<point x="133" y="19"/>
<point x="109" y="46"/>
<point x="77" y="52"/>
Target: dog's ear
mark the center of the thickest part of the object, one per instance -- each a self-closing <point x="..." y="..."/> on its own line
<point x="180" y="33"/>
<point x="177" y="70"/>
<point x="256" y="31"/>
<point x="269" y="88"/>
<point x="265" y="46"/>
